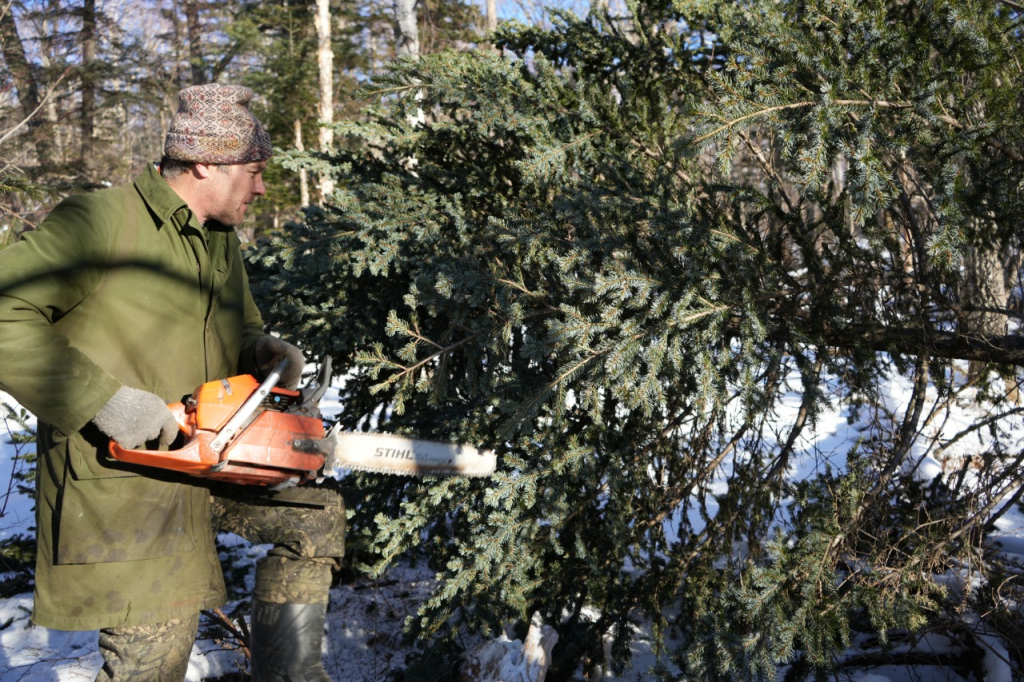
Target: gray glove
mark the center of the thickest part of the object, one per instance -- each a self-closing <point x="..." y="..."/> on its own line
<point x="269" y="351"/>
<point x="133" y="417"/>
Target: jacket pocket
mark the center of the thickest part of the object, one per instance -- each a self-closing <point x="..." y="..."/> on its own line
<point x="88" y="454"/>
<point x="107" y="513"/>
<point x="105" y="520"/>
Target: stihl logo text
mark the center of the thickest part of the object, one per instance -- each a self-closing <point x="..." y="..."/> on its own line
<point x="394" y="453"/>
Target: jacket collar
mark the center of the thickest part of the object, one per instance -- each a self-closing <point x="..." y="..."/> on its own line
<point x="162" y="201"/>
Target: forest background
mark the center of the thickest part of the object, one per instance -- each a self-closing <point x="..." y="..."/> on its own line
<point x="642" y="250"/>
<point x="88" y="88"/>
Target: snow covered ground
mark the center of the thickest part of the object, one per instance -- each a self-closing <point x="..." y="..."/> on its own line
<point x="365" y="618"/>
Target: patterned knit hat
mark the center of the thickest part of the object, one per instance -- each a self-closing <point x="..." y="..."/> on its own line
<point x="214" y="125"/>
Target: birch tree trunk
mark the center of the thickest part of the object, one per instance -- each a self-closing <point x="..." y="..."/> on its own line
<point x="407" y="44"/>
<point x="492" y="15"/>
<point x="407" y="33"/>
<point x="325" y="59"/>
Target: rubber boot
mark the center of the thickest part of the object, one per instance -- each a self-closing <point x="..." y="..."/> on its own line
<point x="285" y="642"/>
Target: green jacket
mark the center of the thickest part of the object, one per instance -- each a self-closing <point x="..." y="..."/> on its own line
<point x="120" y="287"/>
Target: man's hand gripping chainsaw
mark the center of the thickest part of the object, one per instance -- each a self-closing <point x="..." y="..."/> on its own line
<point x="242" y="431"/>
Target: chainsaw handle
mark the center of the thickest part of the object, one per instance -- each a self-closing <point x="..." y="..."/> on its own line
<point x="185" y="425"/>
<point x="312" y="394"/>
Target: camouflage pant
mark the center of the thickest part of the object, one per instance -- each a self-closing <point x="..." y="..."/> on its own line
<point x="307" y="529"/>
<point x="148" y="653"/>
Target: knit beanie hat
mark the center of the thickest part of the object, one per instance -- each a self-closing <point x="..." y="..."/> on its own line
<point x="214" y="125"/>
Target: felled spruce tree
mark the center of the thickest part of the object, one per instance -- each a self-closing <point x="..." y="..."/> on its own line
<point x="614" y="257"/>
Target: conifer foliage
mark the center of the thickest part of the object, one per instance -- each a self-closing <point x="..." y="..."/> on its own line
<point x="617" y="254"/>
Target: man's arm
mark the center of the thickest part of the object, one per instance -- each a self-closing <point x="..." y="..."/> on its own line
<point x="261" y="351"/>
<point x="46" y="274"/>
<point x="252" y="324"/>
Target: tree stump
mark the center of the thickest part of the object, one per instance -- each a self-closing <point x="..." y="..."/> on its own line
<point x="509" y="660"/>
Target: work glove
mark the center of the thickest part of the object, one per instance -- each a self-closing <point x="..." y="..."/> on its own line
<point x="134" y="417"/>
<point x="270" y="350"/>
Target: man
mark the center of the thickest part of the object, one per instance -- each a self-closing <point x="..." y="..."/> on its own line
<point x="124" y="300"/>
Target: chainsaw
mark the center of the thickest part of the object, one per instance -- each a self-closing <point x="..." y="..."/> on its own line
<point x="241" y="430"/>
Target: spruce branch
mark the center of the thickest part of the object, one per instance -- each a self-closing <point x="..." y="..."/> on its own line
<point x="545" y="158"/>
<point x="769" y="170"/>
<point x="732" y="123"/>
<point x="531" y="406"/>
<point x="403" y="373"/>
<point x="381" y="92"/>
<point x="313" y="244"/>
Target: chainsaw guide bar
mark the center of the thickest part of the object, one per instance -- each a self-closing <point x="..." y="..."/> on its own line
<point x="248" y="432"/>
<point x="386" y="453"/>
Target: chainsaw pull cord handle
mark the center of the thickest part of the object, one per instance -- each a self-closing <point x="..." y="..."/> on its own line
<point x="248" y="407"/>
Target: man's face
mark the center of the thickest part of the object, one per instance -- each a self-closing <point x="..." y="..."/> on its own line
<point x="231" y="188"/>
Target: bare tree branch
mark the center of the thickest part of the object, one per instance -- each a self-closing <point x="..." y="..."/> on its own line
<point x="46" y="98"/>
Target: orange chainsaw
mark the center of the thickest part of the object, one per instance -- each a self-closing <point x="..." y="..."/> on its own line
<point x="243" y="431"/>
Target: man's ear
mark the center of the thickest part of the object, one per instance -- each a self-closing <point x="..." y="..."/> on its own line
<point x="203" y="170"/>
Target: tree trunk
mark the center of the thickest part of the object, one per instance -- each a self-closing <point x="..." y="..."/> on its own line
<point x="407" y="33"/>
<point x="325" y="58"/>
<point x="25" y="82"/>
<point x="195" y="51"/>
<point x="87" y="155"/>
<point x="49" y="57"/>
<point x="505" y="660"/>
<point x="303" y="175"/>
<point x="407" y="44"/>
<point x="984" y="289"/>
<point x="492" y="15"/>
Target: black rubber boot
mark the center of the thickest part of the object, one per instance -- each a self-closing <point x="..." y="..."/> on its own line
<point x="285" y="642"/>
